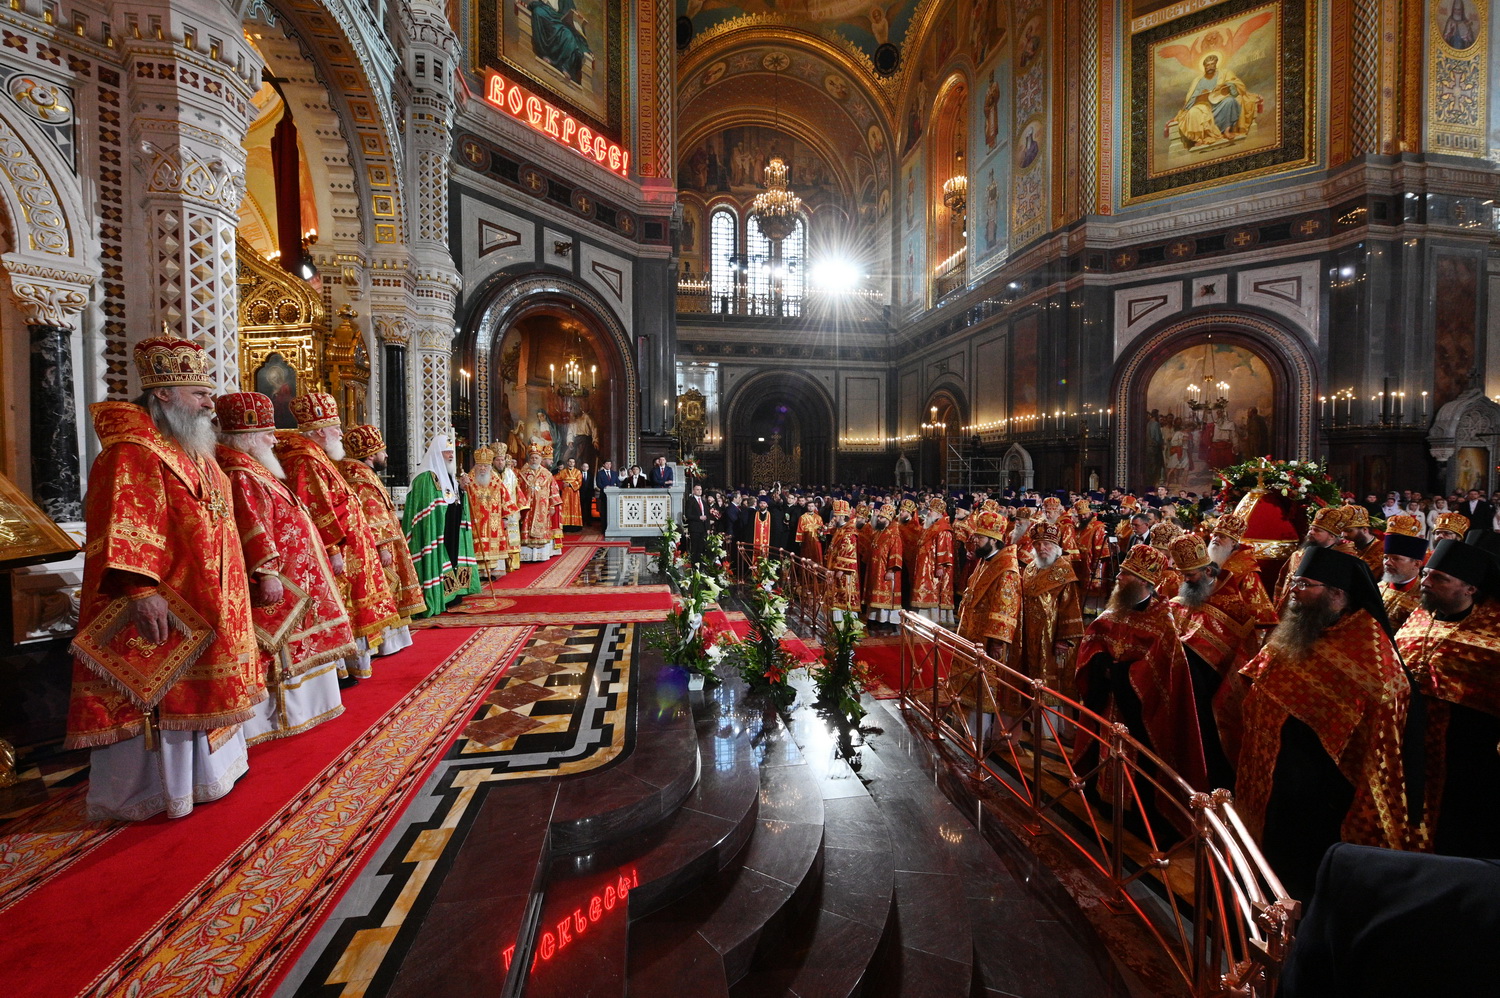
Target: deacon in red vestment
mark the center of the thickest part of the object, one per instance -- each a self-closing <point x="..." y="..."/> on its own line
<point x="1321" y="760"/>
<point x="932" y="574"/>
<point x="569" y="482"/>
<point x="364" y="447"/>
<point x="910" y="527"/>
<point x="1241" y="569"/>
<point x="810" y="534"/>
<point x="1093" y="546"/>
<point x="163" y="557"/>
<point x="1131" y="667"/>
<point x="883" y="571"/>
<point x="1051" y="612"/>
<point x="300" y="649"/>
<point x="1400" y="582"/>
<point x="843" y="561"/>
<point x="760" y="531"/>
<point x="487" y="511"/>
<point x="1451" y="644"/>
<point x="1218" y="635"/>
<point x="538" y="541"/>
<point x="990" y="616"/>
<point x="309" y="455"/>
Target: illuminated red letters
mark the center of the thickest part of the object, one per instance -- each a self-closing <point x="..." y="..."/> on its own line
<point x="555" y="123"/>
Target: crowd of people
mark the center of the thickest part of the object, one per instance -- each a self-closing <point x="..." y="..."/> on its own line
<point x="1352" y="696"/>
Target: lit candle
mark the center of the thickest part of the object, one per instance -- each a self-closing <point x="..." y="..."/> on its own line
<point x="594" y="375"/>
<point x="552" y="374"/>
<point x="1322" y="407"/>
<point x="1424" y="405"/>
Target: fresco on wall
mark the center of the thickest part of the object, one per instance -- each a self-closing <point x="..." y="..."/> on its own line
<point x="1030" y="202"/>
<point x="989" y="144"/>
<point x="913" y="263"/>
<point x="1218" y="94"/>
<point x="868" y="24"/>
<point x="735" y="159"/>
<point x="1181" y="448"/>
<point x="1459" y="69"/>
<point x="570" y="49"/>
<point x="1023" y="365"/>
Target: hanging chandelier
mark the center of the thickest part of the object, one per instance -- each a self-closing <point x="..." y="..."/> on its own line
<point x="1212" y="397"/>
<point x="956" y="193"/>
<point x="775" y="208"/>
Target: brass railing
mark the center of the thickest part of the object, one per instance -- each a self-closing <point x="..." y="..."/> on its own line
<point x="1179" y="858"/>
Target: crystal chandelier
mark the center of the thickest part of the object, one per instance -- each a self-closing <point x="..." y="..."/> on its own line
<point x="956" y="193"/>
<point x="775" y="208"/>
<point x="1212" y="397"/>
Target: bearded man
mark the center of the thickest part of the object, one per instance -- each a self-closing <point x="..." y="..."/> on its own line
<point x="515" y="503"/>
<point x="1020" y="535"/>
<point x="569" y="483"/>
<point x="1240" y="568"/>
<point x="1367" y="545"/>
<point x="932" y="574"/>
<point x="883" y="570"/>
<point x="1400" y="579"/>
<point x="1325" y="531"/>
<point x="1051" y="614"/>
<point x="1321" y="760"/>
<point x="487" y="507"/>
<point x="439" y="529"/>
<point x="1218" y="636"/>
<point x="310" y="458"/>
<point x="990" y="616"/>
<point x="760" y="530"/>
<point x="843" y="562"/>
<point x="1132" y="668"/>
<point x="810" y="534"/>
<point x="1450" y="527"/>
<point x="1053" y="512"/>
<point x="1162" y="536"/>
<point x="1093" y="546"/>
<point x="1451" y="644"/>
<point x="909" y="525"/>
<point x="300" y="625"/>
<point x="365" y="455"/>
<point x="163" y="566"/>
<point x="537" y="541"/>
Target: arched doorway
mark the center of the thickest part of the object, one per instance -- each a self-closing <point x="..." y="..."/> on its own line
<point x="943" y="421"/>
<point x="541" y="343"/>
<point x="780" y="428"/>
<point x="1208" y="392"/>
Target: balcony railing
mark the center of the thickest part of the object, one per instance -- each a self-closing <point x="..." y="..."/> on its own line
<point x="696" y="297"/>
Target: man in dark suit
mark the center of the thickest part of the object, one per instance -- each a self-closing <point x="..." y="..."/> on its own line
<point x="695" y="512"/>
<point x="1480" y="513"/>
<point x="661" y="475"/>
<point x="633" y="480"/>
<point x="605" y="478"/>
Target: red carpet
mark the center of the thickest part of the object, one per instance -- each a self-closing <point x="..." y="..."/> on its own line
<point x="717" y="622"/>
<point x="155" y="913"/>
<point x="604" y="604"/>
<point x="882" y="657"/>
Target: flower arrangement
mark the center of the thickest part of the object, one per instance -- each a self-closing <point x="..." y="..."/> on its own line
<point x="682" y="639"/>
<point x="691" y="467"/>
<point x="764" y="664"/>
<point x="715" y="559"/>
<point x="666" y="555"/>
<point x="838" y="676"/>
<point x="1300" y="481"/>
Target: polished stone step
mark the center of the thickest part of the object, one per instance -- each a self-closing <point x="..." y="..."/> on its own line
<point x="774" y="882"/>
<point x="576" y="953"/>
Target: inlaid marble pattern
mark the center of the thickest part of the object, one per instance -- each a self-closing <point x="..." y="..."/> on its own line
<point x="614" y="565"/>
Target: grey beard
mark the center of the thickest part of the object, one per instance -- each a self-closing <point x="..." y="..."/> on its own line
<point x="243" y="443"/>
<point x="1300" y="629"/>
<point x="482" y="476"/>
<point x="1220" y="552"/>
<point x="1194" y="594"/>
<point x="333" y="448"/>
<point x="1390" y="578"/>
<point x="1047" y="561"/>
<point x="191" y="429"/>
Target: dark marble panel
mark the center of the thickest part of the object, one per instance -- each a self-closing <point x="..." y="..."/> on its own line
<point x="784" y="850"/>
<point x="856" y="823"/>
<point x="828" y="959"/>
<point x="602" y="807"/>
<point x="790" y="793"/>
<point x="919" y="897"/>
<point x="476" y="929"/>
<point x="857" y="885"/>
<point x="504" y="846"/>
<point x="675" y="960"/>
<point x="916" y="974"/>
<point x="56" y="481"/>
<point x="590" y="962"/>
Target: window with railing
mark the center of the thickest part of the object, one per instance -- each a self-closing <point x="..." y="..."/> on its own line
<point x="793" y="270"/>
<point x="722" y="243"/>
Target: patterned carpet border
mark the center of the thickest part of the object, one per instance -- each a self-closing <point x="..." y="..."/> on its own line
<point x="232" y="932"/>
<point x="565" y="568"/>
<point x="545" y="619"/>
<point x="40" y="846"/>
<point x="530" y="591"/>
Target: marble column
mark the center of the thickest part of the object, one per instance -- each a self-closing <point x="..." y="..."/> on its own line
<point x="55" y="478"/>
<point x="49" y="298"/>
<point x="397" y="414"/>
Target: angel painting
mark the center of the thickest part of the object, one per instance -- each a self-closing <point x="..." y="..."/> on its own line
<point x="1204" y="105"/>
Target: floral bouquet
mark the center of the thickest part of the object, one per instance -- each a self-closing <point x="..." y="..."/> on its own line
<point x="715" y="559"/>
<point x="1299" y="481"/>
<point x="764" y="664"/>
<point x="691" y="467"/>
<point x="682" y="639"/>
<point x="838" y="677"/>
<point x="666" y="556"/>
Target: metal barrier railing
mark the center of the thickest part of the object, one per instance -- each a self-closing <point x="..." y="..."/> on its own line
<point x="1179" y="858"/>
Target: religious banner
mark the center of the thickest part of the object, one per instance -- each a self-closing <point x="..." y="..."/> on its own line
<point x="1221" y="93"/>
<point x="568" y="51"/>
<point x="1458" y="78"/>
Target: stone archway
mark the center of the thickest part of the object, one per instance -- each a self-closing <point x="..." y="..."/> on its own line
<point x="1285" y="362"/>
<point x="1017" y="468"/>
<point x="1465" y="440"/>
<point x="791" y="401"/>
<point x="944" y="417"/>
<point x="506" y="300"/>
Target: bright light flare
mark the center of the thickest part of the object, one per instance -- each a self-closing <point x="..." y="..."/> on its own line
<point x="835" y="275"/>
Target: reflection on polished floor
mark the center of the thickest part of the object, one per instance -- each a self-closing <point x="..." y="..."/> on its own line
<point x="725" y="850"/>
